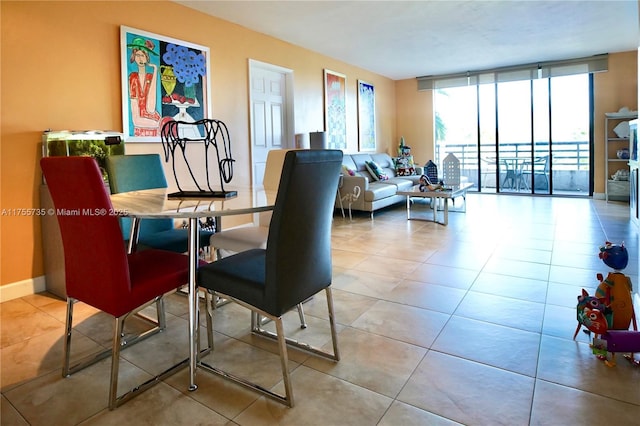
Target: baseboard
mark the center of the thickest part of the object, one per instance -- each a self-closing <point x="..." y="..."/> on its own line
<point x="598" y="196"/>
<point x="22" y="288"/>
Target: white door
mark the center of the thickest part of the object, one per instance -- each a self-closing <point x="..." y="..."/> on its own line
<point x="271" y="113"/>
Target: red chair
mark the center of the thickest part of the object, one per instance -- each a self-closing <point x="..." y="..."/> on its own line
<point x="102" y="274"/>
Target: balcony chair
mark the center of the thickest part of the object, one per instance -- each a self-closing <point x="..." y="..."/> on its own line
<point x="244" y="238"/>
<point x="144" y="171"/>
<point x="105" y="276"/>
<point x="538" y="169"/>
<point x="296" y="263"/>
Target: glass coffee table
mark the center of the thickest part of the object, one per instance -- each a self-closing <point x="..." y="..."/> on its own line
<point x="437" y="196"/>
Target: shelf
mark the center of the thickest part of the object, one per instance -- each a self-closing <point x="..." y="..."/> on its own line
<point x="621" y="115"/>
<point x="614" y="189"/>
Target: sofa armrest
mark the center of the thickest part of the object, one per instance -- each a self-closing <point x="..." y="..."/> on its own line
<point x="348" y="185"/>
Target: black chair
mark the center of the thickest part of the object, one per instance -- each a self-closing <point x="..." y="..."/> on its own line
<point x="296" y="263"/>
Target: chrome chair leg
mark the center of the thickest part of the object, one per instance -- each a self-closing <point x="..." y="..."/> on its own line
<point x="283" y="342"/>
<point x="119" y="343"/>
<point x="118" y="329"/>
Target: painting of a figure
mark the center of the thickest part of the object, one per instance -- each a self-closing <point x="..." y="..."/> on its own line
<point x="163" y="79"/>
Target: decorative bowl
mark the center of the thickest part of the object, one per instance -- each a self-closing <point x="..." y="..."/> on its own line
<point x="623" y="154"/>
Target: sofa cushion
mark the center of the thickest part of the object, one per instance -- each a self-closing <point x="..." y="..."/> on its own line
<point x="376" y="171"/>
<point x="401" y="184"/>
<point x="378" y="191"/>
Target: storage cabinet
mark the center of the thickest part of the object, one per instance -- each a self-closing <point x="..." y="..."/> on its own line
<point x="616" y="143"/>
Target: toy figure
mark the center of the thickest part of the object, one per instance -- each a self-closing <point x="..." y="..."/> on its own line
<point x="610" y="313"/>
<point x="616" y="289"/>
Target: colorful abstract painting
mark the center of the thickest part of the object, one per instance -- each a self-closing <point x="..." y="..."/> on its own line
<point x="162" y="79"/>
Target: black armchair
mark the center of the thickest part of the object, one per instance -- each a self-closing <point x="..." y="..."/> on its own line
<point x="296" y="263"/>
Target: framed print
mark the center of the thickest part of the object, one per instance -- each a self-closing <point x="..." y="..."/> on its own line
<point x="162" y="79"/>
<point x="366" y="117"/>
<point x="335" y="116"/>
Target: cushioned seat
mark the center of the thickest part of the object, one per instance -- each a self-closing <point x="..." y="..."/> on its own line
<point x="145" y="171"/>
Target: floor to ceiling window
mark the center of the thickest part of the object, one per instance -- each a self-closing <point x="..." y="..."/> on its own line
<point x="527" y="136"/>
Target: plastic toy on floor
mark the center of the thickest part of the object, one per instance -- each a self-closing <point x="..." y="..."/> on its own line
<point x="610" y="312"/>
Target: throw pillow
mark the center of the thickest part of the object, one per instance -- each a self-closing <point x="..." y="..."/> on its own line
<point x="375" y="170"/>
<point x="347" y="171"/>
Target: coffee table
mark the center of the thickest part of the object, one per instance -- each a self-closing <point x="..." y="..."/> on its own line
<point x="437" y="196"/>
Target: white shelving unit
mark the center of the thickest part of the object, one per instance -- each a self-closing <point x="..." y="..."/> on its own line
<point x="615" y="190"/>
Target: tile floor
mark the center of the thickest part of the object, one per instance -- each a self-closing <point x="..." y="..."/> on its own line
<point x="466" y="324"/>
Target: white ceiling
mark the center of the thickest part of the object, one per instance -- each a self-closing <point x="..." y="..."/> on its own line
<point x="406" y="39"/>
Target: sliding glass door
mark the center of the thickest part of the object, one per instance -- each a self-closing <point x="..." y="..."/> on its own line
<point x="528" y="136"/>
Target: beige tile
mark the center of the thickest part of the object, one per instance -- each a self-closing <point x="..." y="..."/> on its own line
<point x="162" y="350"/>
<point x="248" y="361"/>
<point x="523" y="254"/>
<point x="556" y="404"/>
<point x="517" y="268"/>
<point x="21" y="321"/>
<point x="401" y="322"/>
<point x="567" y="295"/>
<point x="444" y="275"/>
<point x="573" y="364"/>
<point x="366" y="283"/>
<point x="160" y="405"/>
<point x="347" y="306"/>
<point x="508" y="286"/>
<point x="319" y="400"/>
<point x="503" y="347"/>
<point x="52" y="399"/>
<point x="41" y="355"/>
<point x="469" y="255"/>
<point x="346" y="258"/>
<point x="220" y="395"/>
<point x="560" y="321"/>
<point x="396" y="284"/>
<point x="429" y="296"/>
<point x="574" y="275"/>
<point x="407" y="415"/>
<point x="9" y="415"/>
<point x="374" y="362"/>
<point x="502" y="310"/>
<point x="468" y="392"/>
<point x="385" y="266"/>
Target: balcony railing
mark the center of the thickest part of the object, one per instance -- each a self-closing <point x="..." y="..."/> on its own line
<point x="569" y="161"/>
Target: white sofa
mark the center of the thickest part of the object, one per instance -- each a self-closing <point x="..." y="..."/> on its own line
<point x="374" y="194"/>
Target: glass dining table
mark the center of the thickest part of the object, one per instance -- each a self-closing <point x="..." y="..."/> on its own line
<point x="156" y="203"/>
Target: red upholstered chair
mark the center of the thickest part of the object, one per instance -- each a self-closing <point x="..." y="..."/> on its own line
<point x="103" y="275"/>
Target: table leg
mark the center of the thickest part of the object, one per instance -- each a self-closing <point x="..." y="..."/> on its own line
<point x="446" y="211"/>
<point x="408" y="207"/>
<point x="193" y="301"/>
<point x="435" y="203"/>
<point x="133" y="236"/>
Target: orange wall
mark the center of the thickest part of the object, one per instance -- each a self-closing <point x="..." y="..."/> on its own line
<point x="613" y="90"/>
<point x="60" y="69"/>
